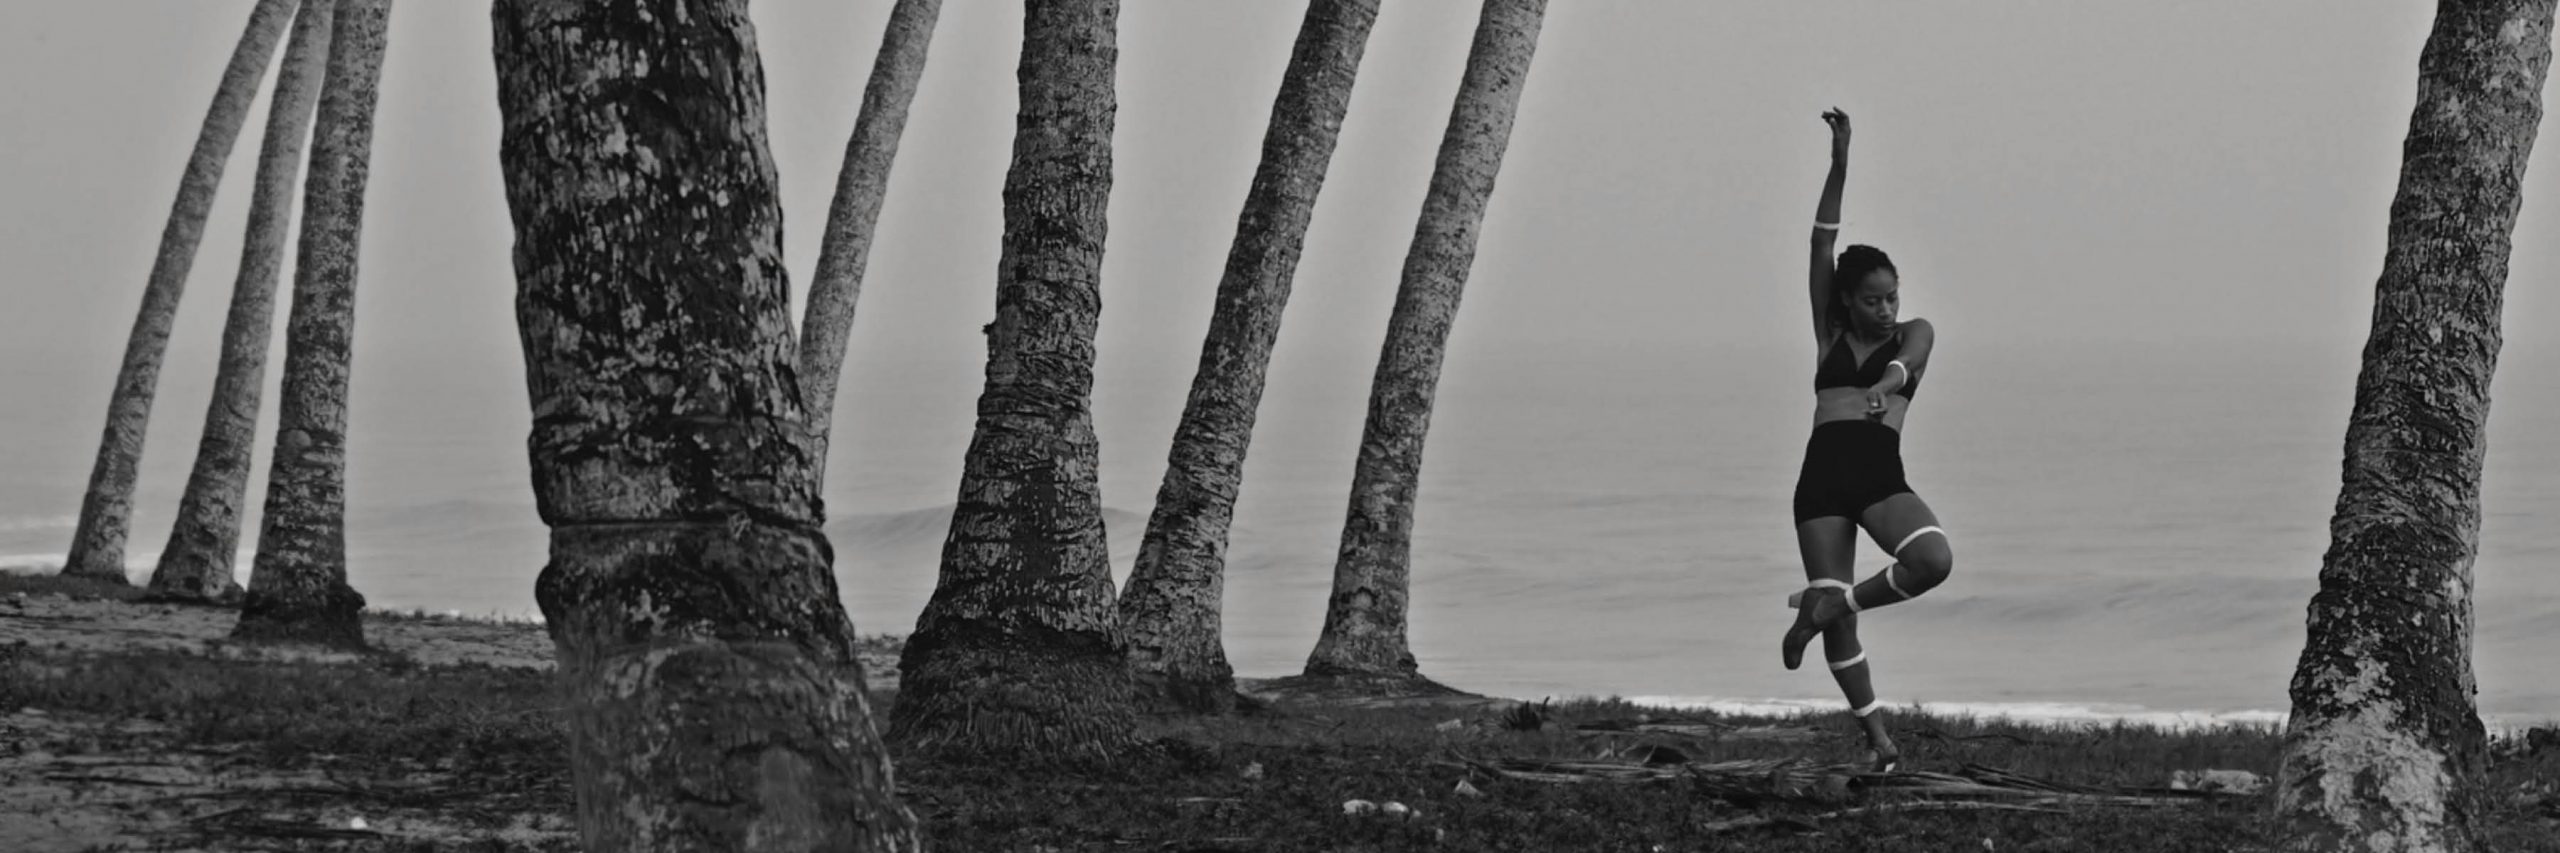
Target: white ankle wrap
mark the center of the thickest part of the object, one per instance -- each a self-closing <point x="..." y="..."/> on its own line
<point x="1839" y="665"/>
<point x="1869" y="709"/>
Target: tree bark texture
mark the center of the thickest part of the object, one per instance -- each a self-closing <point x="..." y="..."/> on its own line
<point x="106" y="509"/>
<point x="2384" y="749"/>
<point x="197" y="564"/>
<point x="298" y="580"/>
<point x="707" y="667"/>
<point x="1171" y="608"/>
<point x="855" y="214"/>
<point x="1020" y="648"/>
<point x="1364" y="622"/>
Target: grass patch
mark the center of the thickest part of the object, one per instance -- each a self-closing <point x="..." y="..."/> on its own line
<point x="1272" y="781"/>
<point x="67" y="586"/>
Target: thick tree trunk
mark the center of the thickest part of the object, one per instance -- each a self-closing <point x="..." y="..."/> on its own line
<point x="197" y="562"/>
<point x="106" y="510"/>
<point x="1020" y="649"/>
<point x="2384" y="748"/>
<point x="298" y="581"/>
<point x="855" y="214"/>
<point x="707" y="668"/>
<point x="1170" y="609"/>
<point x="1364" y="622"/>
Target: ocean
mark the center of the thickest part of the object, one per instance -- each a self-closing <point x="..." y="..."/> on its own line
<point x="2137" y="526"/>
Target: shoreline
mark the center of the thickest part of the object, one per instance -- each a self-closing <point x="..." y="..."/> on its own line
<point x="95" y="622"/>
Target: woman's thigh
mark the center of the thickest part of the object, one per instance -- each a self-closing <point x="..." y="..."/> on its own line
<point x="1830" y="547"/>
<point x="1896" y="524"/>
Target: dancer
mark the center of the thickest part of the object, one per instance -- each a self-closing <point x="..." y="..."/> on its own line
<point x="1868" y="366"/>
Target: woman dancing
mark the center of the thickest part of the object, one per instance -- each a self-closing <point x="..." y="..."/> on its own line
<point x="1868" y="366"/>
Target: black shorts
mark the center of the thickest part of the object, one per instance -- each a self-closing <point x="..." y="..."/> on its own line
<point x="1848" y="466"/>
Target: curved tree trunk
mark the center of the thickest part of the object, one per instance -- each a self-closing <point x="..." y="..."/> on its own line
<point x="1364" y="622"/>
<point x="106" y="510"/>
<point x="1170" y="609"/>
<point x="298" y="582"/>
<point x="855" y="214"/>
<point x="707" y="668"/>
<point x="2384" y="749"/>
<point x="197" y="562"/>
<point x="1020" y="649"/>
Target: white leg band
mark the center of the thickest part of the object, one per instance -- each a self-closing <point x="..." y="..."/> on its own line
<point x="1839" y="665"/>
<point x="1887" y="574"/>
<point x="1906" y="541"/>
<point x="1869" y="709"/>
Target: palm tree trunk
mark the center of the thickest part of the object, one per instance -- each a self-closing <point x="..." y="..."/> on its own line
<point x="1171" y="606"/>
<point x="713" y="696"/>
<point x="855" y="213"/>
<point x="1019" y="649"/>
<point x="2384" y="749"/>
<point x="106" y="510"/>
<point x="197" y="562"/>
<point x="1364" y="622"/>
<point x="298" y="585"/>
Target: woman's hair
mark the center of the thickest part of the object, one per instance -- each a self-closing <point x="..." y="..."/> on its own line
<point x="1855" y="264"/>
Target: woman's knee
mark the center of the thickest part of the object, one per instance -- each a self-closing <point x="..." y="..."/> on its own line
<point x="1930" y="559"/>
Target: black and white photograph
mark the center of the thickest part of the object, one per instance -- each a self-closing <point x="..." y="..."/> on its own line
<point x="1046" y="426"/>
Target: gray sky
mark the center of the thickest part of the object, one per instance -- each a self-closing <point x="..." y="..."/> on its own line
<point x="2044" y="173"/>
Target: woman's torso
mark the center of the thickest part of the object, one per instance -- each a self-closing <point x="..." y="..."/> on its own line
<point x="1849" y="368"/>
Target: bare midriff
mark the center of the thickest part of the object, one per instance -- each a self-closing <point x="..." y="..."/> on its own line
<point x="1850" y="404"/>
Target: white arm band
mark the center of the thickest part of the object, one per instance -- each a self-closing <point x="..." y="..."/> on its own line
<point x="1820" y="225"/>
<point x="1906" y="369"/>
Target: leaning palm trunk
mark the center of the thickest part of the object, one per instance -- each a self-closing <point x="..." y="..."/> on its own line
<point x="197" y="562"/>
<point x="2384" y="749"/>
<point x="1171" y="607"/>
<point x="106" y="510"/>
<point x="1019" y="650"/>
<point x="712" y="693"/>
<point x="298" y="582"/>
<point x="855" y="214"/>
<point x="1364" y="622"/>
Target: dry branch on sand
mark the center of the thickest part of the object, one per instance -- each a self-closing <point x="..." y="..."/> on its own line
<point x="1766" y="780"/>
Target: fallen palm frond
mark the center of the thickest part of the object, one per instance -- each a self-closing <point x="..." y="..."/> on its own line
<point x="1807" y="822"/>
<point x="1793" y="779"/>
<point x="1701" y="729"/>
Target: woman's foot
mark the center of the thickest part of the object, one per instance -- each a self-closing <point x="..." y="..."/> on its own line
<point x="1886" y="757"/>
<point x="1819" y="608"/>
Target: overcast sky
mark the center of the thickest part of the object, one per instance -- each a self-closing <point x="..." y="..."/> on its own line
<point x="2043" y="172"/>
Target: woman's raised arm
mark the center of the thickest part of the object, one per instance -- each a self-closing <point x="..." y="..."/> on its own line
<point x="1826" y="222"/>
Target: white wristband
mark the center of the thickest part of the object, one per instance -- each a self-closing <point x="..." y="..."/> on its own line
<point x="1820" y="225"/>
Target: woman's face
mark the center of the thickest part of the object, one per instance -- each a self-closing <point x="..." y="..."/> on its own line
<point x="1874" y="302"/>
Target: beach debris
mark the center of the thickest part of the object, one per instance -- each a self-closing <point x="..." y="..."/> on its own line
<point x="356" y="822"/>
<point x="1252" y="771"/>
<point x="2225" y="781"/>
<point x="1398" y="810"/>
<point x="1356" y="808"/>
<point x="1453" y="724"/>
<point x="1526" y="717"/>
<point x="1466" y="789"/>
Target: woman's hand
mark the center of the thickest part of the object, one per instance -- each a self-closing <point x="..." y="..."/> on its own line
<point x="1839" y="122"/>
<point x="1876" y="403"/>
